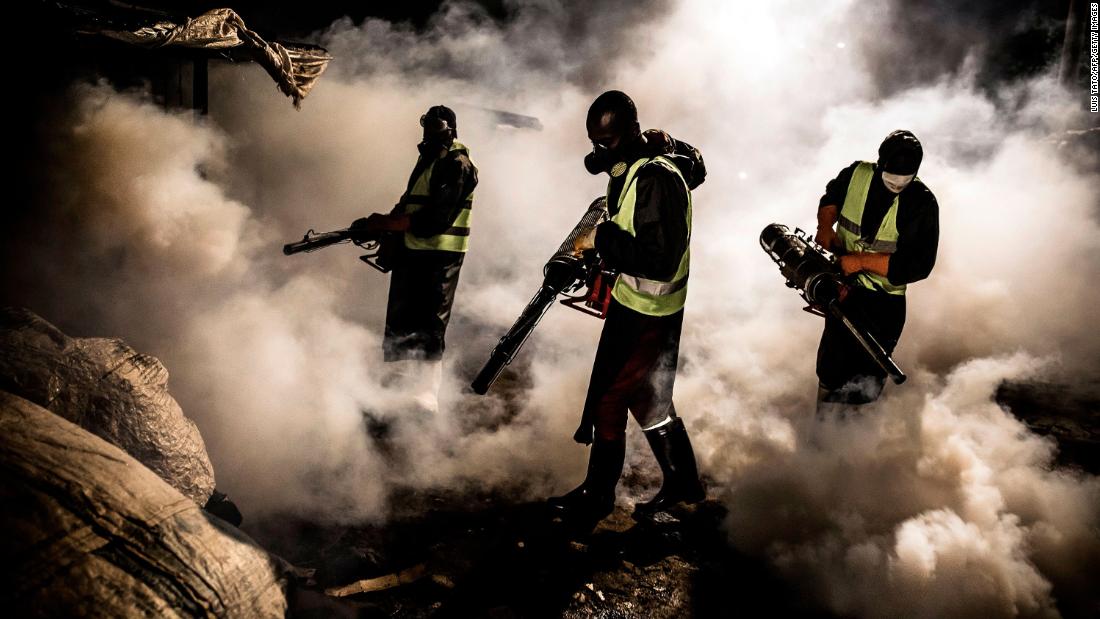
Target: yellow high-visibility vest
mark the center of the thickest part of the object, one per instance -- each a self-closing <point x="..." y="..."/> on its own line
<point x="457" y="237"/>
<point x="650" y="296"/>
<point x="848" y="228"/>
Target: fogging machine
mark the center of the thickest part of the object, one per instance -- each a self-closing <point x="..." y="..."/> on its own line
<point x="814" y="272"/>
<point x="370" y="240"/>
<point x="564" y="273"/>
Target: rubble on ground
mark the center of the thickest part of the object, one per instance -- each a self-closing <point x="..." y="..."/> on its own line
<point x="483" y="555"/>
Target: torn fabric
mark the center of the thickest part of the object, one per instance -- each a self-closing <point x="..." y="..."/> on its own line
<point x="295" y="69"/>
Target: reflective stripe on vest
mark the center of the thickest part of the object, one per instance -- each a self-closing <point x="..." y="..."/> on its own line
<point x="457" y="237"/>
<point x="850" y="231"/>
<point x="650" y="296"/>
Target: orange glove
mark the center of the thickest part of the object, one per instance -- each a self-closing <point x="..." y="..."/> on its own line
<point x="851" y="263"/>
<point x="875" y="263"/>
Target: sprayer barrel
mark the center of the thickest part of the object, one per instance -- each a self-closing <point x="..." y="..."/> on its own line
<point x="294" y="248"/>
<point x="870" y="344"/>
<point x="316" y="241"/>
<point x="510" y="344"/>
<point x="563" y="272"/>
<point x="489" y="373"/>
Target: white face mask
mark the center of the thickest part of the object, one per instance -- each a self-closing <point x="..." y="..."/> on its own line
<point x="896" y="182"/>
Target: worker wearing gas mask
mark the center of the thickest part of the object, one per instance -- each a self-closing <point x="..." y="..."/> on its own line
<point x="646" y="242"/>
<point x="884" y="224"/>
<point x="432" y="220"/>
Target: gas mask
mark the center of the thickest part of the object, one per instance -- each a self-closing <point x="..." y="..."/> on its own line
<point x="897" y="182"/>
<point x="438" y="134"/>
<point x="604" y="159"/>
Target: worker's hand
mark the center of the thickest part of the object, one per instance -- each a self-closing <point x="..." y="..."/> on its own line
<point x="377" y="222"/>
<point x="851" y="263"/>
<point x="368" y="224"/>
<point x="585" y="241"/>
<point x="827" y="238"/>
<point x="394" y="223"/>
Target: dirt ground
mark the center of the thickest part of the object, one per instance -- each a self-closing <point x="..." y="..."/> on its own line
<point x="464" y="555"/>
<point x="484" y="557"/>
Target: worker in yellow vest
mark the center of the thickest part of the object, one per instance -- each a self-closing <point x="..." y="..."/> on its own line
<point x="884" y="224"/>
<point x="433" y="217"/>
<point x="646" y="241"/>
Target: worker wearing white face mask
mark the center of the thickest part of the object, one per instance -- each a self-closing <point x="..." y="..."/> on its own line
<point x="884" y="223"/>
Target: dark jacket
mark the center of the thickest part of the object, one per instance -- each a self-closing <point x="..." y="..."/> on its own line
<point x="918" y="222"/>
<point x="660" y="214"/>
<point x="660" y="226"/>
<point x="453" y="179"/>
<point x="423" y="282"/>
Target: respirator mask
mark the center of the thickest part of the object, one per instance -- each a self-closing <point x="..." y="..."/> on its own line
<point x="610" y="160"/>
<point x="896" y="183"/>
<point x="437" y="133"/>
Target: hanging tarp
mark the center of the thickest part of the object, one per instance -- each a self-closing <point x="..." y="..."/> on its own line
<point x="295" y="68"/>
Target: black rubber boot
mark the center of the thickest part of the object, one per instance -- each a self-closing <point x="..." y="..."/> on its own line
<point x="674" y="454"/>
<point x="594" y="499"/>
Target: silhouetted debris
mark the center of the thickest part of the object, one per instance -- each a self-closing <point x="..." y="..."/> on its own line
<point x="89" y="531"/>
<point x="109" y="389"/>
<point x="379" y="583"/>
<point x="221" y="506"/>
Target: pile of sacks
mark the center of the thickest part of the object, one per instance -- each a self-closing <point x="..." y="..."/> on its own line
<point x="103" y="482"/>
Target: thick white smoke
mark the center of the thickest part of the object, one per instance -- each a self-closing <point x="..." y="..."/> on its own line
<point x="936" y="503"/>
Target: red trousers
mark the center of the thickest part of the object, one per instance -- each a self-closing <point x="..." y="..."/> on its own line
<point x="634" y="370"/>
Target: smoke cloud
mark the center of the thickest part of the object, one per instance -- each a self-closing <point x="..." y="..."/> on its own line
<point x="934" y="503"/>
